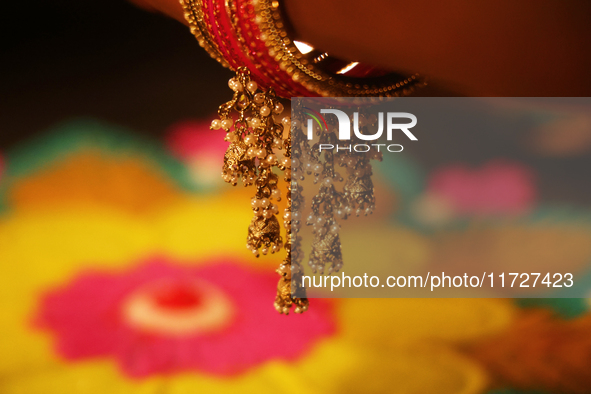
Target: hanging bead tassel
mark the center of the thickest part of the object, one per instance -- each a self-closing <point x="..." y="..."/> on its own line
<point x="254" y="135"/>
<point x="255" y="139"/>
<point x="330" y="204"/>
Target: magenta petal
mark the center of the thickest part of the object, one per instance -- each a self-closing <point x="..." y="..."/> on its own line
<point x="87" y="320"/>
<point x="499" y="187"/>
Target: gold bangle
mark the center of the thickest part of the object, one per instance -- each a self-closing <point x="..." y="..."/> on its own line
<point x="254" y="33"/>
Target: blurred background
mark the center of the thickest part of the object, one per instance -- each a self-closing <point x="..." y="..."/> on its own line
<point x="122" y="259"/>
<point x="105" y="59"/>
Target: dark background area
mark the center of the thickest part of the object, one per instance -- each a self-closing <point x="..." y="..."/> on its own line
<point x="107" y="59"/>
<point x="104" y="59"/>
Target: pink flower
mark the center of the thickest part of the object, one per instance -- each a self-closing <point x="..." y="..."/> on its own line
<point x="499" y="187"/>
<point x="165" y="318"/>
<point x="201" y="149"/>
<point x="192" y="138"/>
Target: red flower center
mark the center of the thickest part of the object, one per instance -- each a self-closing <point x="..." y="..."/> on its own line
<point x="179" y="296"/>
<point x="160" y="317"/>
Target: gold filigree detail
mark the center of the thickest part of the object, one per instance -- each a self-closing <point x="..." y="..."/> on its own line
<point x="255" y="138"/>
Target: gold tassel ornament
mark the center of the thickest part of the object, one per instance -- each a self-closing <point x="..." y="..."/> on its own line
<point x="253" y="38"/>
<point x="255" y="136"/>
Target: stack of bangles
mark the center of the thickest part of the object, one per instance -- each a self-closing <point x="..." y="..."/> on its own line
<point x="256" y="35"/>
<point x="254" y="39"/>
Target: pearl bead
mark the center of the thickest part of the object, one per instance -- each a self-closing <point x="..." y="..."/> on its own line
<point x="334" y="228"/>
<point x="216" y="124"/>
<point x="251" y="152"/>
<point x="318" y="168"/>
<point x="249" y="139"/>
<point x="254" y="123"/>
<point x="232" y="137"/>
<point x="252" y="86"/>
<point x="267" y="214"/>
<point x="286" y="122"/>
<point x="320" y="221"/>
<point x="259" y="98"/>
<point x="287" y="216"/>
<point x="261" y="153"/>
<point x="265" y="202"/>
<point x="276" y="194"/>
<point x="327" y="181"/>
<point x="235" y="85"/>
<point x="255" y="203"/>
<point x="278" y="108"/>
<point x="271" y="159"/>
<point x="227" y="123"/>
<point x="286" y="162"/>
<point x="265" y="111"/>
<point x="277" y="143"/>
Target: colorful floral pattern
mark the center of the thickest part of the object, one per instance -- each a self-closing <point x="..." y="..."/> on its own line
<point x="361" y="350"/>
<point x="496" y="188"/>
<point x="163" y="318"/>
<point x="201" y="149"/>
<point x="457" y="192"/>
<point x="135" y="185"/>
<point x="91" y="312"/>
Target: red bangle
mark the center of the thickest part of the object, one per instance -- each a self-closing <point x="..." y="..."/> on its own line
<point x="254" y="34"/>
